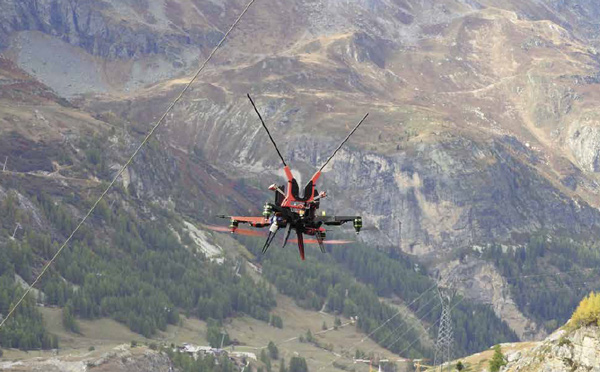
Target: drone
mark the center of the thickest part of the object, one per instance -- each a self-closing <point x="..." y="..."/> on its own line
<point x="292" y="211"/>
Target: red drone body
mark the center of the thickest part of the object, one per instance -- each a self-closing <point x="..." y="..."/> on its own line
<point x="292" y="211"/>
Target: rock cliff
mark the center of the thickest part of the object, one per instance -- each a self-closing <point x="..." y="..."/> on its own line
<point x="563" y="351"/>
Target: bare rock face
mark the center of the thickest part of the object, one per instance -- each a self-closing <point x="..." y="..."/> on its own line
<point x="148" y="361"/>
<point x="88" y="24"/>
<point x="563" y="351"/>
<point x="481" y="282"/>
<point x="87" y="46"/>
<point x="584" y="141"/>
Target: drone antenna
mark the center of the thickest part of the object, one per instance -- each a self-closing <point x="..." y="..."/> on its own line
<point x="344" y="141"/>
<point x="267" y="129"/>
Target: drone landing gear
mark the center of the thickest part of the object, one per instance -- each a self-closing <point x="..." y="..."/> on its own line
<point x="269" y="240"/>
<point x="288" y="230"/>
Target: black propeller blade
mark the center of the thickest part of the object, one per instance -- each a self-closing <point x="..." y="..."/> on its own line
<point x="319" y="237"/>
<point x="300" y="243"/>
<point x="288" y="230"/>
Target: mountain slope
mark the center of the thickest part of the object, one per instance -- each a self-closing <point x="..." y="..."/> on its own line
<point x="482" y="128"/>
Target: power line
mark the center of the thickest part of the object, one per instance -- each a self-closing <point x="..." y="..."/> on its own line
<point x="417" y="322"/>
<point x="396" y="314"/>
<point x="464" y="298"/>
<point x="450" y="278"/>
<point x="449" y="309"/>
<point x="431" y="326"/>
<point x="146" y="139"/>
<point x="383" y="324"/>
<point x="410" y="326"/>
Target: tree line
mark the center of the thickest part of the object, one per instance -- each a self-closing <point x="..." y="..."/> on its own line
<point x="330" y="281"/>
<point x="130" y="269"/>
<point x="548" y="275"/>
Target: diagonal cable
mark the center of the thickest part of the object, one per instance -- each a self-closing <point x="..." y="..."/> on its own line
<point x="146" y="139"/>
<point x="383" y="324"/>
<point x="426" y="330"/>
<point x="411" y="325"/>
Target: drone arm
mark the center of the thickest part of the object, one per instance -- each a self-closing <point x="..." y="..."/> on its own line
<point x="315" y="177"/>
<point x="288" y="173"/>
<point x="340" y="220"/>
<point x="252" y="221"/>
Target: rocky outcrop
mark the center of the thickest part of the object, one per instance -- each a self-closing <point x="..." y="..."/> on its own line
<point x="563" y="351"/>
<point x="584" y="141"/>
<point x="455" y="193"/>
<point x="121" y="359"/>
<point x="86" y="24"/>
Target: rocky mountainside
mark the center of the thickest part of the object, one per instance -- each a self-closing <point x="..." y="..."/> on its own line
<point x="483" y="129"/>
<point x="466" y="99"/>
<point x="562" y="351"/>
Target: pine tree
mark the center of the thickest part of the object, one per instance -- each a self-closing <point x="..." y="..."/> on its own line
<point x="68" y="319"/>
<point x="298" y="364"/>
<point x="273" y="351"/>
<point x="282" y="366"/>
<point x="265" y="359"/>
<point x="497" y="360"/>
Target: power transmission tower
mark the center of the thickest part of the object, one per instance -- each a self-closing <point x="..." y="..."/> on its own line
<point x="445" y="340"/>
<point x="4" y="166"/>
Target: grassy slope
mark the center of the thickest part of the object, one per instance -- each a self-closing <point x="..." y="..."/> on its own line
<point x="105" y="334"/>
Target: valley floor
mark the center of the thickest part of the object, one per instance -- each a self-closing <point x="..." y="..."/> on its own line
<point x="108" y="337"/>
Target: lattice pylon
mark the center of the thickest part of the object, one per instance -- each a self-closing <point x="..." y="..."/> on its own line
<point x="445" y="339"/>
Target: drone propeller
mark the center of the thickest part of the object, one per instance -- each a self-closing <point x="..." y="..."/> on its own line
<point x="236" y="231"/>
<point x="319" y="236"/>
<point x="326" y="242"/>
<point x="249" y="232"/>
